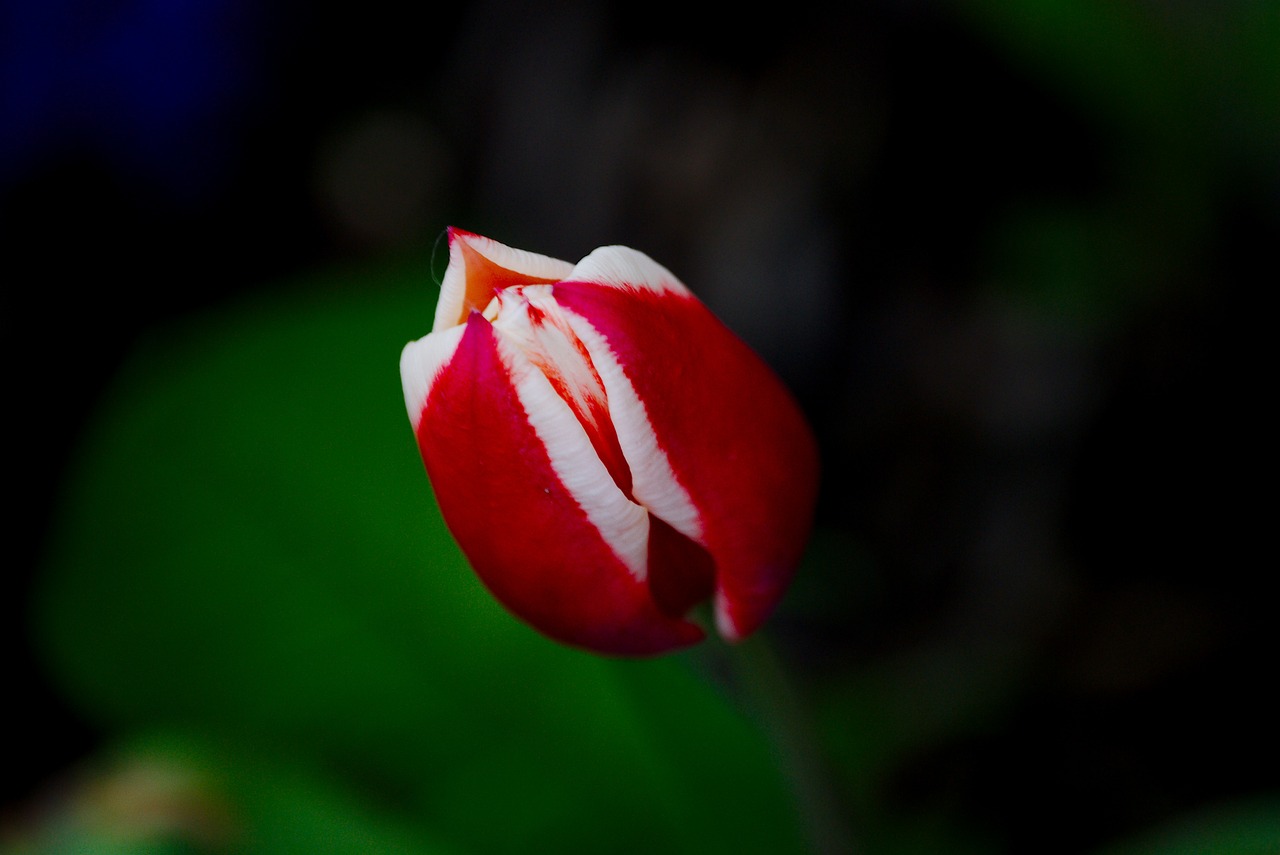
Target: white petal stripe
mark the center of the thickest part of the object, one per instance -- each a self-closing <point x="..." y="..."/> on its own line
<point x="623" y="524"/>
<point x="653" y="481"/>
<point x="421" y="362"/>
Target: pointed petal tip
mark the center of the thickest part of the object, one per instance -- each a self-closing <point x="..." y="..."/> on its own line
<point x="479" y="267"/>
<point x="725" y="624"/>
<point x="453" y="233"/>
<point x="737" y="622"/>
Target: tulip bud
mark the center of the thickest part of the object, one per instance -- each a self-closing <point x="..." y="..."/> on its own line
<point x="607" y="453"/>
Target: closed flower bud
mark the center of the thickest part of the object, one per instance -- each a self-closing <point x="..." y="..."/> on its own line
<point x="606" y="452"/>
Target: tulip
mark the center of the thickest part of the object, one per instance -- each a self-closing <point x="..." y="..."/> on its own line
<point x="607" y="454"/>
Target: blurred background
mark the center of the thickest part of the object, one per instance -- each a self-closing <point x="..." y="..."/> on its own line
<point x="1005" y="253"/>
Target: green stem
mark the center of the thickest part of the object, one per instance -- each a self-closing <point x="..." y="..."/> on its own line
<point x="772" y="695"/>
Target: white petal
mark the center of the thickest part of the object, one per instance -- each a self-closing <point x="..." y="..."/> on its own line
<point x="622" y="267"/>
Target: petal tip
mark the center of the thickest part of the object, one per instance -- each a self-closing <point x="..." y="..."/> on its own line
<point x="725" y="623"/>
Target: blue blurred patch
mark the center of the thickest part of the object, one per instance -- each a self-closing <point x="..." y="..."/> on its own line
<point x="156" y="89"/>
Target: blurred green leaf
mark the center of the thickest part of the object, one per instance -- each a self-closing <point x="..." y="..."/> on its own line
<point x="1182" y="101"/>
<point x="249" y="548"/>
<point x="1245" y="828"/>
<point x="1116" y="59"/>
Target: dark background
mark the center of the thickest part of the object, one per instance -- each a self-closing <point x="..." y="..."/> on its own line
<point x="1008" y="255"/>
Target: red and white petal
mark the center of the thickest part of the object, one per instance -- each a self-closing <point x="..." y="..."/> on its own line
<point x="532" y="505"/>
<point x="653" y="482"/>
<point x="732" y="435"/>
<point x="420" y="363"/>
<point x="479" y="267"/>
<point x="622" y="524"/>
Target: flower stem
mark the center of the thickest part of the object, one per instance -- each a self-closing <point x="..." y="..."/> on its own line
<point x="772" y="697"/>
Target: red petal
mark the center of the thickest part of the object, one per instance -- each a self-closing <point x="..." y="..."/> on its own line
<point x="527" y="537"/>
<point x="681" y="573"/>
<point x="735" y="438"/>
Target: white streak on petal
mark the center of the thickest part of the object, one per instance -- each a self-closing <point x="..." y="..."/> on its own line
<point x="623" y="524"/>
<point x="453" y="287"/>
<point x="549" y="342"/>
<point x="623" y="267"/>
<point x="653" y="481"/>
<point x="421" y="362"/>
<point x="724" y="623"/>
